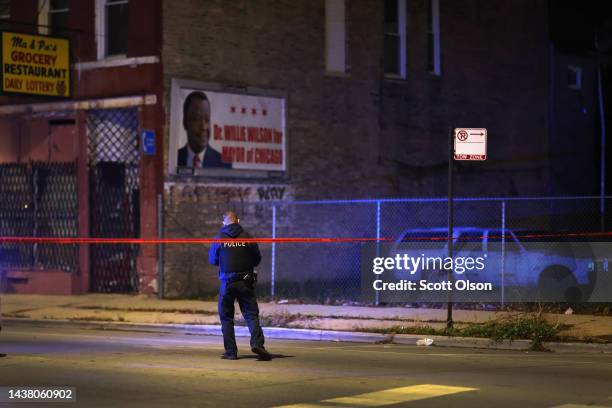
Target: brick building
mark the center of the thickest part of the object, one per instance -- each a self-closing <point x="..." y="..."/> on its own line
<point x="366" y="91"/>
<point x="72" y="167"/>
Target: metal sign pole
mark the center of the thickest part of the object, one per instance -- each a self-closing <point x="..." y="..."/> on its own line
<point x="449" y="312"/>
<point x="160" y="247"/>
<point x="273" y="272"/>
<point x="377" y="299"/>
<point x="463" y="144"/>
<point x="503" y="254"/>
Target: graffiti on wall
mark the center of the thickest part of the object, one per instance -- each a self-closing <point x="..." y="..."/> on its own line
<point x="276" y="193"/>
<point x="224" y="193"/>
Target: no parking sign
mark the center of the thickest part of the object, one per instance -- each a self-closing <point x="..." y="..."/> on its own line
<point x="470" y="144"/>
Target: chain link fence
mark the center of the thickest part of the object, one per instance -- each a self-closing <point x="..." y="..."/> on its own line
<point x="330" y="272"/>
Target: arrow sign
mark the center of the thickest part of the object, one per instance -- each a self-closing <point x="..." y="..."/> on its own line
<point x="470" y="144"/>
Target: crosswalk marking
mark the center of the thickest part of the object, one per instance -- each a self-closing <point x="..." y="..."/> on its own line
<point x="304" y="406"/>
<point x="386" y="397"/>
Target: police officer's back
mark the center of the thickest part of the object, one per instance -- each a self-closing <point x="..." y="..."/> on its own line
<point x="236" y="260"/>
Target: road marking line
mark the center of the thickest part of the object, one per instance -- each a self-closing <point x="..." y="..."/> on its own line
<point x="304" y="406"/>
<point x="387" y="397"/>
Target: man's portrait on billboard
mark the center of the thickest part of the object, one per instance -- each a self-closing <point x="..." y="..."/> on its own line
<point x="197" y="153"/>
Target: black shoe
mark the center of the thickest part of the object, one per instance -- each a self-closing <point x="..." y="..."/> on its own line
<point x="229" y="356"/>
<point x="262" y="353"/>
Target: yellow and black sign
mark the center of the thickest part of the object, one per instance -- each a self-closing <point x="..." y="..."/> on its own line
<point x="35" y="65"/>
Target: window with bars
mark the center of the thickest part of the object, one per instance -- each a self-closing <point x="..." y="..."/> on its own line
<point x="395" y="38"/>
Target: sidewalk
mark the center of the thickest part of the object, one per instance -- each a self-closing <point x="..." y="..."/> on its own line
<point x="141" y="309"/>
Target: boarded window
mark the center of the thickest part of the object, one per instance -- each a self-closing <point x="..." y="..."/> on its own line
<point x="335" y="36"/>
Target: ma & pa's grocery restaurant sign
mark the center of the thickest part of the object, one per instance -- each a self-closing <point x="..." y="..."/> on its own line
<point x="35" y="65"/>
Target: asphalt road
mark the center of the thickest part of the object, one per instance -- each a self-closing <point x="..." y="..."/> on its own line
<point x="133" y="369"/>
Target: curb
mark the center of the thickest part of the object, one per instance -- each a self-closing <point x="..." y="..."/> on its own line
<point x="315" y="335"/>
<point x="468" y="342"/>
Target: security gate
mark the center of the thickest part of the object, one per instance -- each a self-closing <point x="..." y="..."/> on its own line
<point x="39" y="199"/>
<point x="114" y="198"/>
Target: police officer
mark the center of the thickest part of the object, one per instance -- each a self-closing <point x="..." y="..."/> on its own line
<point x="236" y="261"/>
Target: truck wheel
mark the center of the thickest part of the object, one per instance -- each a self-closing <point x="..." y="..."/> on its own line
<point x="557" y="283"/>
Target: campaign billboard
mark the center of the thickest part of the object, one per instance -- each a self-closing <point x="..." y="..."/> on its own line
<point x="218" y="132"/>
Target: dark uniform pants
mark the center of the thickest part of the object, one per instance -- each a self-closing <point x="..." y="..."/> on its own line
<point x="245" y="294"/>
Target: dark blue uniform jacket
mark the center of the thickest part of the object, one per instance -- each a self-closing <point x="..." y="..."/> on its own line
<point x="235" y="259"/>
